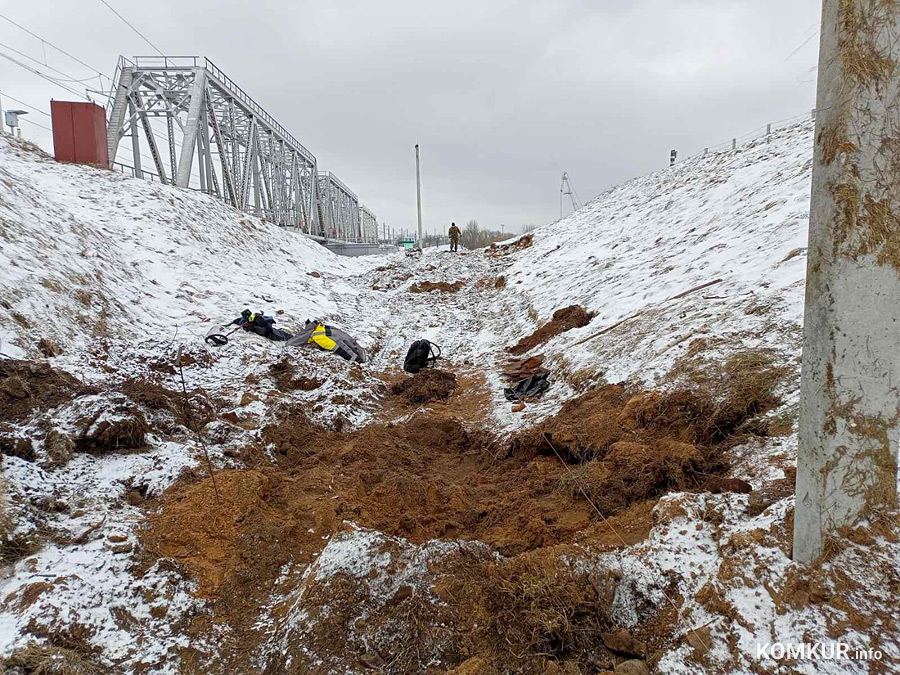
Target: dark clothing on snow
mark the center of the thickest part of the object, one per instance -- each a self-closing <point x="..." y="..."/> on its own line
<point x="530" y="387"/>
<point x="261" y="325"/>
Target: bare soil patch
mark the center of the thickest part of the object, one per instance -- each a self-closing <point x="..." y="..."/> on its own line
<point x="495" y="251"/>
<point x="287" y="380"/>
<point x="532" y="498"/>
<point x="442" y="286"/>
<point x="429" y="384"/>
<point x="491" y="282"/>
<point x="170" y="404"/>
<point x="567" y="318"/>
<point x="28" y="386"/>
<point x="433" y="477"/>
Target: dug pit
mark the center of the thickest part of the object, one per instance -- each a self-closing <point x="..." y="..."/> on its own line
<point x="604" y="459"/>
<point x="430" y="384"/>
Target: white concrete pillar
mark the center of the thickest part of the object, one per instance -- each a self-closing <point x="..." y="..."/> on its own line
<point x="850" y="384"/>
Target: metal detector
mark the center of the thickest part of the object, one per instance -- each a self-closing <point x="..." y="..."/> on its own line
<point x="217" y="335"/>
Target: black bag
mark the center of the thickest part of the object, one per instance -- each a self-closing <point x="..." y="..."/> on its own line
<point x="421" y="354"/>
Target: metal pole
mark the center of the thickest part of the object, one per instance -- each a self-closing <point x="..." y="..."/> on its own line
<point x="849" y="400"/>
<point x="418" y="197"/>
<point x="561" y="184"/>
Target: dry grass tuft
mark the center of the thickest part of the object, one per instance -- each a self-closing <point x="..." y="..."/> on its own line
<point x="860" y="56"/>
<point x="42" y="659"/>
<point x="719" y="400"/>
<point x="532" y="606"/>
<point x="7" y="521"/>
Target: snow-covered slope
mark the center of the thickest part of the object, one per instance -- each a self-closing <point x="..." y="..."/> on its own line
<point x="88" y="252"/>
<point x="703" y="259"/>
<point x="739" y="217"/>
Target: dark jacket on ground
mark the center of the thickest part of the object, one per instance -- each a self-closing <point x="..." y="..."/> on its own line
<point x="262" y="325"/>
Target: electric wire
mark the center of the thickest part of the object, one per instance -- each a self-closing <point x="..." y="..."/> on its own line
<point x="128" y="23"/>
<point x="69" y="78"/>
<point x="44" y="75"/>
<point x="59" y="49"/>
<point x="27" y="105"/>
<point x="37" y="124"/>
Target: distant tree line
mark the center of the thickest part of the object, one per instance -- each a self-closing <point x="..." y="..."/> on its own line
<point x="473" y="236"/>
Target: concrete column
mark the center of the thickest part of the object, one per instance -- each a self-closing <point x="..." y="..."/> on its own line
<point x="850" y="402"/>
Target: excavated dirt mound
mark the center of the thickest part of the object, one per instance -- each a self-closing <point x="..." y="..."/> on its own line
<point x="431" y="477"/>
<point x="26" y="386"/>
<point x="495" y="251"/>
<point x="442" y="286"/>
<point x="532" y="498"/>
<point x="425" y="386"/>
<point x="574" y="316"/>
<point x="285" y="377"/>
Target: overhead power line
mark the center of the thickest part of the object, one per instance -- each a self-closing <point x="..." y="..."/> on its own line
<point x="59" y="49"/>
<point x="23" y="119"/>
<point x="128" y="23"/>
<point x="27" y="105"/>
<point x="69" y="78"/>
<point x="44" y="75"/>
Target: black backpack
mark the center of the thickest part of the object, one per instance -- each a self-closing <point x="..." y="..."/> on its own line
<point x="421" y="354"/>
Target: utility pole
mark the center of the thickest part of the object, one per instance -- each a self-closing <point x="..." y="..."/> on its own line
<point x="849" y="396"/>
<point x="418" y="197"/>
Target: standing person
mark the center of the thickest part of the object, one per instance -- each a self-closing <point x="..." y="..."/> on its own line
<point x="454" y="237"/>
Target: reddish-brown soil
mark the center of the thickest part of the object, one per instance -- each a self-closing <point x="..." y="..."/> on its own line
<point x="588" y="476"/>
<point x="286" y="380"/>
<point x="442" y="286"/>
<point x="574" y="316"/>
<point x="495" y="251"/>
<point x="27" y="386"/>
<point x="429" y="384"/>
<point x="432" y="477"/>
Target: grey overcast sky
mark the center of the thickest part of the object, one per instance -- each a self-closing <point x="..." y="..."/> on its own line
<point x="502" y="96"/>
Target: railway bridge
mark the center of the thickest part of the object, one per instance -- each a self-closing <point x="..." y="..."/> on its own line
<point x="192" y="126"/>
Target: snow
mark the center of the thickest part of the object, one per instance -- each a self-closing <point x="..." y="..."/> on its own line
<point x="734" y="216"/>
<point x="92" y="251"/>
<point x="121" y="273"/>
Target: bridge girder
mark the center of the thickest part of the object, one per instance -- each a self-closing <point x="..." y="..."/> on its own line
<point x="241" y="154"/>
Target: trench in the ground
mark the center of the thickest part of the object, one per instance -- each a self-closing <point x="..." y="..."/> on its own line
<point x="589" y="475"/>
<point x="438" y="474"/>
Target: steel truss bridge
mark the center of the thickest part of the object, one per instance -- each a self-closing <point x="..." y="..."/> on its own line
<point x="202" y="131"/>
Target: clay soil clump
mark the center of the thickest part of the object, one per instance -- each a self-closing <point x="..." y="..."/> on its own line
<point x="27" y="386"/>
<point x="283" y="373"/>
<point x="427" y="385"/>
<point x="495" y="251"/>
<point x="574" y="316"/>
<point x="442" y="286"/>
